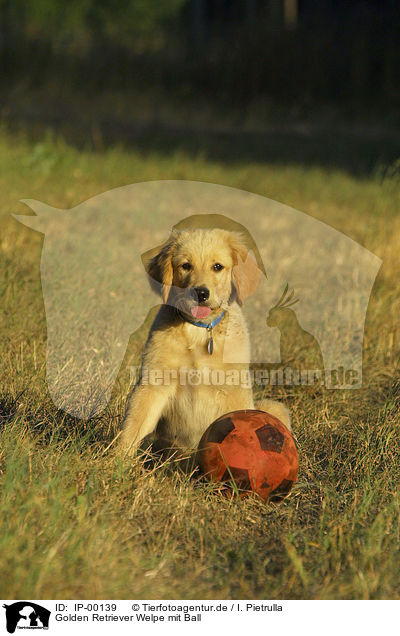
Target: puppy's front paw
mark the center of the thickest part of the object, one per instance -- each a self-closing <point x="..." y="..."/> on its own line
<point x="277" y="409"/>
<point x="129" y="442"/>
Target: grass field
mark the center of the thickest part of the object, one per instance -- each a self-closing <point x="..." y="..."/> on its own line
<point x="77" y="522"/>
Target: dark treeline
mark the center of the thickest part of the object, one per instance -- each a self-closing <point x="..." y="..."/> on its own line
<point x="311" y="51"/>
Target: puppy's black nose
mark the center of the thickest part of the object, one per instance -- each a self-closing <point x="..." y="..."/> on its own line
<point x="200" y="294"/>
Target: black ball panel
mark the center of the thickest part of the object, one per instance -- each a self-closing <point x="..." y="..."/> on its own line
<point x="270" y="438"/>
<point x="281" y="491"/>
<point x="240" y="476"/>
<point x="218" y="434"/>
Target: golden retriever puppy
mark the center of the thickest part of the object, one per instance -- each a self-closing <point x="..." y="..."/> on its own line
<point x="204" y="276"/>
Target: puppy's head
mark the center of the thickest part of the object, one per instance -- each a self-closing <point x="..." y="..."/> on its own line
<point x="202" y="271"/>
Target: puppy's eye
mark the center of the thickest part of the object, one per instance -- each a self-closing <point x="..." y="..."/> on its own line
<point x="217" y="267"/>
<point x="186" y="266"/>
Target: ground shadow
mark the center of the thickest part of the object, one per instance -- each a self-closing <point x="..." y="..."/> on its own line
<point x="358" y="151"/>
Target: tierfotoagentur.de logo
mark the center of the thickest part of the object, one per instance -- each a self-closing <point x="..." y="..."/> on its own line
<point x="305" y="318"/>
<point x="26" y="615"/>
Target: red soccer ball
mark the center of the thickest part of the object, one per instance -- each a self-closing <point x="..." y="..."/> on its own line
<point x="250" y="451"/>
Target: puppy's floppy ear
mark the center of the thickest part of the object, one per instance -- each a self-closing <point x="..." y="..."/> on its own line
<point x="158" y="265"/>
<point x="245" y="273"/>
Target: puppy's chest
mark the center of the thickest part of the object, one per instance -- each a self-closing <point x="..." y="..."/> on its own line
<point x="204" y="346"/>
<point x="187" y="345"/>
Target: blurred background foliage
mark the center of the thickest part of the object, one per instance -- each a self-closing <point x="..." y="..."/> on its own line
<point x="345" y="54"/>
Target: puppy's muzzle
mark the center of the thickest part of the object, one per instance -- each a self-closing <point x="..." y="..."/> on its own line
<point x="200" y="294"/>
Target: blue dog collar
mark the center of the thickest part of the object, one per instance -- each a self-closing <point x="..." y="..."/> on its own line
<point x="209" y="326"/>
